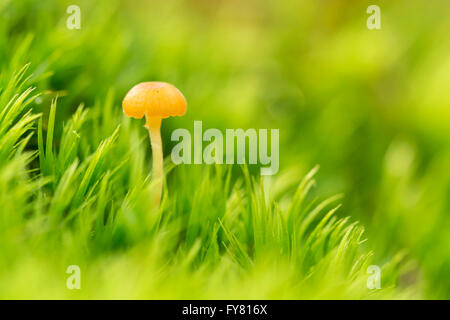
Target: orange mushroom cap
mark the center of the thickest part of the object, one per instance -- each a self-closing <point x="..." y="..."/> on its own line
<point x="155" y="100"/>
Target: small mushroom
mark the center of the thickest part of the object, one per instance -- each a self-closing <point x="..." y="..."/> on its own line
<point x="155" y="101"/>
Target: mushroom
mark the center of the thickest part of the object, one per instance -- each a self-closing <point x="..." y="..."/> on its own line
<point x="155" y="101"/>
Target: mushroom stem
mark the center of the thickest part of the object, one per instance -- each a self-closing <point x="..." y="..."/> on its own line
<point x="153" y="126"/>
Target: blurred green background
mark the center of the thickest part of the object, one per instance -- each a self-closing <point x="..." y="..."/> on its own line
<point x="371" y="107"/>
